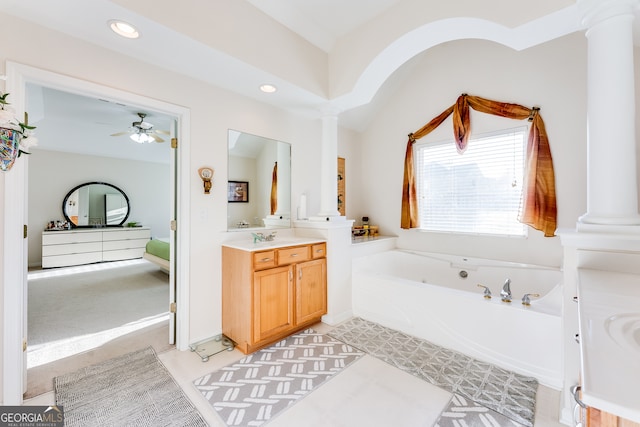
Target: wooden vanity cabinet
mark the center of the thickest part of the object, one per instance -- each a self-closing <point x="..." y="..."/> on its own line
<point x="598" y="418"/>
<point x="270" y="294"/>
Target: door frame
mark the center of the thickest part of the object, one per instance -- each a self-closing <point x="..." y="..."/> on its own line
<point x="15" y="215"/>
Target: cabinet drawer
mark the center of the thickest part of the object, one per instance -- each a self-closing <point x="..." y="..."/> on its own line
<point x="54" y="238"/>
<point x="319" y="250"/>
<point x="72" y="248"/>
<point x="122" y="254"/>
<point x="67" y="260"/>
<point x="129" y="234"/>
<point x="295" y="254"/>
<point x="114" y="245"/>
<point x="266" y="259"/>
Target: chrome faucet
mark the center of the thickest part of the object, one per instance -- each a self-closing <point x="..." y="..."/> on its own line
<point x="526" y="299"/>
<point x="505" y="293"/>
<point x="487" y="291"/>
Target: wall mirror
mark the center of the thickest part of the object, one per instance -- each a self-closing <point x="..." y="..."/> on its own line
<point x="265" y="166"/>
<point x="96" y="204"/>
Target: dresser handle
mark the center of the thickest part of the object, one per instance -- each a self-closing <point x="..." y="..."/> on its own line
<point x="294" y="255"/>
<point x="319" y="251"/>
<point x="266" y="259"/>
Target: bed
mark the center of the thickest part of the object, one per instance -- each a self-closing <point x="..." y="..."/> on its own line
<point x="157" y="252"/>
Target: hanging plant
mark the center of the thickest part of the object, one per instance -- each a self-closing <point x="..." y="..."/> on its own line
<point x="16" y="137"/>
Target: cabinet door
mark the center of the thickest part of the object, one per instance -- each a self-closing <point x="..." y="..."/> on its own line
<point x="311" y="290"/>
<point x="272" y="302"/>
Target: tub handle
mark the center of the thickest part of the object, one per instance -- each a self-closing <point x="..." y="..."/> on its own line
<point x="487" y="291"/>
<point x="526" y="299"/>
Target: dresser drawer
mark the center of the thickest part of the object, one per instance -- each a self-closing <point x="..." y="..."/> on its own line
<point x="128" y="234"/>
<point x="122" y="254"/>
<point x="319" y="250"/>
<point x="67" y="260"/>
<point x="72" y="248"/>
<point x="61" y="238"/>
<point x="113" y="245"/>
<point x="262" y="260"/>
<point x="295" y="254"/>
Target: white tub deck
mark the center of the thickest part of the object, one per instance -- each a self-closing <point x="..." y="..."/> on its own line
<point x="424" y="295"/>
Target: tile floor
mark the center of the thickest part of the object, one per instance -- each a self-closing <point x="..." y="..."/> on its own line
<point x="367" y="393"/>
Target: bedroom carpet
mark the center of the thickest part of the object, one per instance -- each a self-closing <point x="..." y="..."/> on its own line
<point x="87" y="314"/>
<point x="134" y="389"/>
<point x="505" y="392"/>
<point x="257" y="388"/>
<point x="75" y="309"/>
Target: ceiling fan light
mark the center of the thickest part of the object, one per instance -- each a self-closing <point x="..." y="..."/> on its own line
<point x="124" y="29"/>
<point x="141" y="137"/>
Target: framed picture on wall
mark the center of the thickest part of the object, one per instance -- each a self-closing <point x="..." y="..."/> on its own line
<point x="238" y="191"/>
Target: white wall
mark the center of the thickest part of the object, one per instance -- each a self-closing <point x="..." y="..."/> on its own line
<point x="552" y="76"/>
<point x="52" y="174"/>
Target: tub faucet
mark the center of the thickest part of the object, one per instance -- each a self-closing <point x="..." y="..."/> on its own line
<point x="505" y="293"/>
<point x="487" y="291"/>
<point x="526" y="299"/>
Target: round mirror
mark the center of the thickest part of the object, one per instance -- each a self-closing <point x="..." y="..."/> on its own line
<point x="96" y="204"/>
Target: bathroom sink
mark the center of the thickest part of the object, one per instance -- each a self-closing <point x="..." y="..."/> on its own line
<point x="624" y="330"/>
<point x="609" y="326"/>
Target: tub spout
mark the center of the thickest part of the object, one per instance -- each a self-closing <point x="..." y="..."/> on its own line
<point x="505" y="293"/>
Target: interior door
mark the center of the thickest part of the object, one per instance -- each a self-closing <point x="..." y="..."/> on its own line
<point x="173" y="233"/>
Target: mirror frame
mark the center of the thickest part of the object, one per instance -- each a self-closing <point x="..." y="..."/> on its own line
<point x="66" y="198"/>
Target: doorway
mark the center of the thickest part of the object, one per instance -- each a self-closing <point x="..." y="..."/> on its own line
<point x="18" y="77"/>
<point x="79" y="311"/>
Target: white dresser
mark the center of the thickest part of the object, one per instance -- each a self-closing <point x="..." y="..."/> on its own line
<point x="85" y="246"/>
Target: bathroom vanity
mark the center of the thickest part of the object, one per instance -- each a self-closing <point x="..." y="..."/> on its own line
<point x="271" y="289"/>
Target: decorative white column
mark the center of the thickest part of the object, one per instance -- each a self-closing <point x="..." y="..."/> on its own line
<point x="329" y="168"/>
<point x="611" y="170"/>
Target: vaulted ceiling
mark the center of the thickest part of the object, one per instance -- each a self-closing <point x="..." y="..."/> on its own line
<point x="318" y="53"/>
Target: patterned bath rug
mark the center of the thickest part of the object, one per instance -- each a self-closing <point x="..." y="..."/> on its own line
<point x="462" y="412"/>
<point x="130" y="390"/>
<point x="510" y="394"/>
<point x="257" y="388"/>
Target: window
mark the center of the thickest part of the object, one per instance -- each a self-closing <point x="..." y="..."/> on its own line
<point x="476" y="192"/>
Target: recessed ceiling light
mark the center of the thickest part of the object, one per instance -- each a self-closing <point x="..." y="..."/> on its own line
<point x="124" y="29"/>
<point x="268" y="88"/>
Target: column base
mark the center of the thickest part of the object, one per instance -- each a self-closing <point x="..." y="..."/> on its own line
<point x="596" y="220"/>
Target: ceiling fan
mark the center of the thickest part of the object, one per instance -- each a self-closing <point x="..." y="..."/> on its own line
<point x="142" y="131"/>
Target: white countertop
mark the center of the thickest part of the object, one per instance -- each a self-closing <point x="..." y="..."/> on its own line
<point x="248" y="245"/>
<point x="609" y="317"/>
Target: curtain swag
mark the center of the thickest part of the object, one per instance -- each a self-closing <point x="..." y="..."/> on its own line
<point x="274" y="190"/>
<point x="538" y="206"/>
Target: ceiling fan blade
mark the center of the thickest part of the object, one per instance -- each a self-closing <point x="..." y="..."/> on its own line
<point x="164" y="132"/>
<point x="157" y="138"/>
<point x="120" y="133"/>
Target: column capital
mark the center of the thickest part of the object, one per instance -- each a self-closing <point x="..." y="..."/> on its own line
<point x="596" y="11"/>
